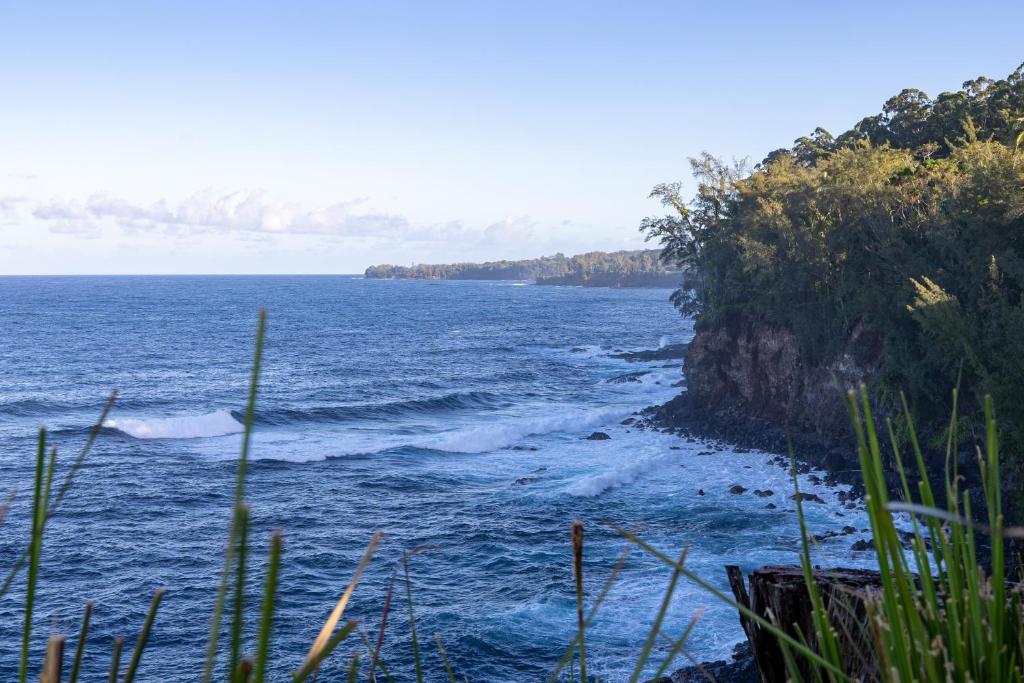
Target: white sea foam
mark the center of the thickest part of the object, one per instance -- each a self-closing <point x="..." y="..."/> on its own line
<point x="508" y="432"/>
<point x="217" y="423"/>
<point x="596" y="484"/>
<point x="663" y="342"/>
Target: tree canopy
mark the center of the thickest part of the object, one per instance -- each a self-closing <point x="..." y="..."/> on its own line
<point x="909" y="225"/>
<point x="595" y="268"/>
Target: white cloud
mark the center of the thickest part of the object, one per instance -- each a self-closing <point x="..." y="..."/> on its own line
<point x="509" y="231"/>
<point x="9" y="208"/>
<point x="253" y="216"/>
<point x="208" y="211"/>
<point x="76" y="228"/>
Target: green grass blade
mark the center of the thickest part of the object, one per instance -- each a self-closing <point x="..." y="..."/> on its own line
<point x="444" y="658"/>
<point x="652" y="637"/>
<point x="267" y="616"/>
<point x="94" y="432"/>
<point x="325" y="632"/>
<point x="250" y="412"/>
<point x="238" y="616"/>
<point x="678" y="645"/>
<point x="412" y="623"/>
<point x="353" y="668"/>
<point x="140" y="644"/>
<point x="83" y="634"/>
<point x="778" y="633"/>
<point x="377" y="662"/>
<point x="609" y="582"/>
<point x="115" y="660"/>
<point x="35" y="548"/>
<point x="324" y="652"/>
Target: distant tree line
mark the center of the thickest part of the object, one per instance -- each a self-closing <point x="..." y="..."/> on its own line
<point x="909" y="226"/>
<point x="596" y="268"/>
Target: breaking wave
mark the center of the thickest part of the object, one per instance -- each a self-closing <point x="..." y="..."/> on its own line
<point x="217" y="423"/>
<point x="508" y="432"/>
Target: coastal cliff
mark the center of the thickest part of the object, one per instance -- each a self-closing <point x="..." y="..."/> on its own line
<point x="748" y="383"/>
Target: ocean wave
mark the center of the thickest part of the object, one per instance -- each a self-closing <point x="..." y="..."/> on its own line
<point x="471" y="400"/>
<point x="596" y="484"/>
<point x="510" y="431"/>
<point x="217" y="423"/>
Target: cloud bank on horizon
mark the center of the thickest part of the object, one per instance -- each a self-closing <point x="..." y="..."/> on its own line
<point x="257" y="218"/>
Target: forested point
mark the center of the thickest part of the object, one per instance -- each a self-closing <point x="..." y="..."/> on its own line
<point x="597" y="268"/>
<point x="905" y="230"/>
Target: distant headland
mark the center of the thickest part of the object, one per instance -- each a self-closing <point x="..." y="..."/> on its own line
<point x="638" y="268"/>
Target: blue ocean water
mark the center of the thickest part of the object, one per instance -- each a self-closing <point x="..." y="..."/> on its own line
<point x="447" y="414"/>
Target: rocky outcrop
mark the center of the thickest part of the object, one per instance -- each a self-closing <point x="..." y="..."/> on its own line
<point x="667" y="352"/>
<point x="741" y="668"/>
<point x="748" y="384"/>
<point x="758" y="370"/>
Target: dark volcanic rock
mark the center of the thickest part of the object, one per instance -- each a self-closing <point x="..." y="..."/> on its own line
<point x="807" y="497"/>
<point x="670" y="352"/>
<point x="628" y="421"/>
<point x="736" y="489"/>
<point x="522" y="481"/>
<point x="763" y="494"/>
<point x="862" y="545"/>
<point x="598" y="436"/>
<point x="770" y="506"/>
<point x="628" y="377"/>
<point x="740" y="669"/>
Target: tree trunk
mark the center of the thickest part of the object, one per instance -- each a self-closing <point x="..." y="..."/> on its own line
<point x="778" y="594"/>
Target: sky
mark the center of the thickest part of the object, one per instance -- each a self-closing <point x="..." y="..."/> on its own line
<point x="323" y="137"/>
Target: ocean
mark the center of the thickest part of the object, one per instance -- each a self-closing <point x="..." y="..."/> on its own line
<point x="449" y="415"/>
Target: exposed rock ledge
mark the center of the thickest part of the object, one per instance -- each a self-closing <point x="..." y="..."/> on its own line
<point x="748" y="385"/>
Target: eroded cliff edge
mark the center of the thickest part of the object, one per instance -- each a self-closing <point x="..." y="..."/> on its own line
<point x="748" y="383"/>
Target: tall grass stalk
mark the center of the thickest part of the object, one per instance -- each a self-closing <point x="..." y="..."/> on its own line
<point x="267" y="615"/>
<point x="83" y="633"/>
<point x="577" y="565"/>
<point x="412" y="622"/>
<point x="233" y="533"/>
<point x="444" y="658"/>
<point x="140" y="643"/>
<point x="115" y="659"/>
<point x="61" y="492"/>
<point x="35" y="549"/>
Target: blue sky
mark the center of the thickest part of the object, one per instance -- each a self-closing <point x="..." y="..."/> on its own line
<point x="179" y="137"/>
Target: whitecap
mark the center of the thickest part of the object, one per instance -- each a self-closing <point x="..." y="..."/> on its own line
<point x="508" y="432"/>
<point x="217" y="423"/>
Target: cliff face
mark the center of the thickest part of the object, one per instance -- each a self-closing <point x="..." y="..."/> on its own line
<point x="756" y="369"/>
<point x="748" y="384"/>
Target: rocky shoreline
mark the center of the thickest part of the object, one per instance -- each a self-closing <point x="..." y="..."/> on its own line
<point x="684" y="416"/>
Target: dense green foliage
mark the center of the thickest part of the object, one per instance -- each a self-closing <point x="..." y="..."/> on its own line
<point x="905" y="229"/>
<point x="595" y="268"/>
